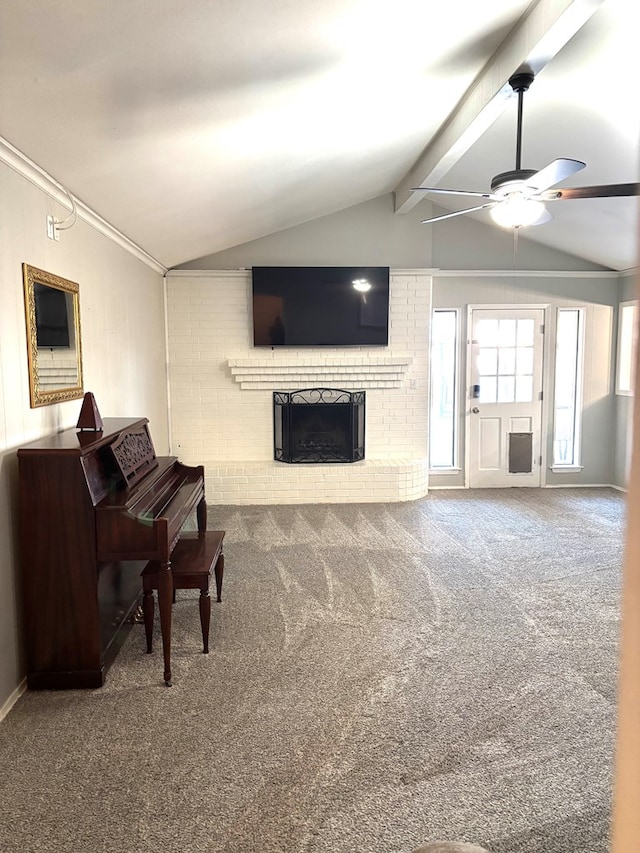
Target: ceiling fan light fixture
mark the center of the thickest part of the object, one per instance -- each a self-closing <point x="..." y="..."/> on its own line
<point x="361" y="285"/>
<point x="518" y="211"/>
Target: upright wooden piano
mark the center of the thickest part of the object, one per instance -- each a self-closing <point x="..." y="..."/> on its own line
<point x="95" y="507"/>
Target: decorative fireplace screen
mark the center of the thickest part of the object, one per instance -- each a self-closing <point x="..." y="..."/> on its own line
<point x="318" y="425"/>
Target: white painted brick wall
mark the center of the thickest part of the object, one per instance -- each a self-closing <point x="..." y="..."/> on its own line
<point x="226" y="423"/>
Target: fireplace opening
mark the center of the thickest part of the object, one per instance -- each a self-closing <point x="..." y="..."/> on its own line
<point x="318" y="425"/>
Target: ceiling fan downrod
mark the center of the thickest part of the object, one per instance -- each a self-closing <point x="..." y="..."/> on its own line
<point x="519" y="83"/>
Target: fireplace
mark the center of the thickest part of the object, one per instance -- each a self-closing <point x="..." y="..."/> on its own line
<point x="318" y="425"/>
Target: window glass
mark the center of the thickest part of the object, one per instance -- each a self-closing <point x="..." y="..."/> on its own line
<point x="568" y="379"/>
<point x="506" y="389"/>
<point x="627" y="335"/>
<point x="487" y="361"/>
<point x="505" y="360"/>
<point x="526" y="330"/>
<point x="486" y="332"/>
<point x="442" y="423"/>
<point x="488" y="389"/>
<point x="525" y="361"/>
<point x="507" y="333"/>
<point x="524" y="389"/>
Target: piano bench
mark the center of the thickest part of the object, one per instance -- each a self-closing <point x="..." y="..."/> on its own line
<point x="193" y="559"/>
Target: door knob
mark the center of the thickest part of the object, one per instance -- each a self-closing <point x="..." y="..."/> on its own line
<point x="475" y="410"/>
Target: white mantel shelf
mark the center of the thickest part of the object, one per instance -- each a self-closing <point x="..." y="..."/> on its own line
<point x="288" y="372"/>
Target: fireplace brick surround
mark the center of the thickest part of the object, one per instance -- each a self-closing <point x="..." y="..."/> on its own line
<point x="221" y="391"/>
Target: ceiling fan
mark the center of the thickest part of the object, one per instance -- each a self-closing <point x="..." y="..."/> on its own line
<point x="518" y="197"/>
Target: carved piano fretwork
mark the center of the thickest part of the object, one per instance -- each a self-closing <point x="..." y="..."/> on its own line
<point x="92" y="515"/>
<point x="134" y="454"/>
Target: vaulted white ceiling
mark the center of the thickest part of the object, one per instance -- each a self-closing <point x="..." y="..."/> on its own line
<point x="196" y="125"/>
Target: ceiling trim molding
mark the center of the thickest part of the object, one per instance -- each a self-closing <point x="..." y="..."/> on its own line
<point x="20" y="163"/>
<point x="243" y="271"/>
<point x="527" y="274"/>
<point x="237" y="273"/>
<point x="427" y="271"/>
<point x="539" y="35"/>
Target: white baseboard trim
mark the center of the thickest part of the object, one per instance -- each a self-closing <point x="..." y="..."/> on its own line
<point x="13" y="698"/>
<point x="619" y="488"/>
<point x="446" y="488"/>
<point x="433" y="488"/>
<point x="578" y="486"/>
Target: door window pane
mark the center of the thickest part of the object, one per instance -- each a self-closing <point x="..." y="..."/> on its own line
<point x="525" y="361"/>
<point x="507" y="361"/>
<point x="488" y="389"/>
<point x="524" y="389"/>
<point x="506" y="389"/>
<point x="525" y="333"/>
<point x="486" y="332"/>
<point x="507" y="333"/>
<point x="487" y="361"/>
<point x="443" y="413"/>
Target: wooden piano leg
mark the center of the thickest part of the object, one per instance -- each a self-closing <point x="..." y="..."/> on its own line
<point x="219" y="573"/>
<point x="201" y="513"/>
<point x="165" y="594"/>
<point x="205" y="618"/>
<point x="147" y="609"/>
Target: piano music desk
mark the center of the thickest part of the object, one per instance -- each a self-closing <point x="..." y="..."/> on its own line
<point x="194" y="558"/>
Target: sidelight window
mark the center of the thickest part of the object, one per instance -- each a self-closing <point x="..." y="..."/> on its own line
<point x="443" y="414"/>
<point x="568" y="388"/>
<point x="627" y="336"/>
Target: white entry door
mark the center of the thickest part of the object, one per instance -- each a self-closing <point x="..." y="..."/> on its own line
<point x="505" y="397"/>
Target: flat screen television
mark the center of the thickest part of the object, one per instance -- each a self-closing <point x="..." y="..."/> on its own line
<point x="320" y="306"/>
<point x="52" y="321"/>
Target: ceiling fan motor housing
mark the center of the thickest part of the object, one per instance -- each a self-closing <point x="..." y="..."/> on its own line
<point x="519" y="176"/>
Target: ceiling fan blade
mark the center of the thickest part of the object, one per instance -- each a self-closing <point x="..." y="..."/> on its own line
<point x="453" y="192"/>
<point x="457" y="213"/>
<point x="555" y="172"/>
<point x="602" y="191"/>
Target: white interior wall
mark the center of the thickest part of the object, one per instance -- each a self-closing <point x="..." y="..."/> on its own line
<point x="367" y="234"/>
<point x="372" y="234"/>
<point x="122" y="324"/>
<point x="470" y="243"/>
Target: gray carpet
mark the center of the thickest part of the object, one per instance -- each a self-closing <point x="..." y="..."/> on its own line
<point x="381" y="676"/>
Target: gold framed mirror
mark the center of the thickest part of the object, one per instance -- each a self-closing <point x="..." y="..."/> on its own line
<point x="54" y="345"/>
